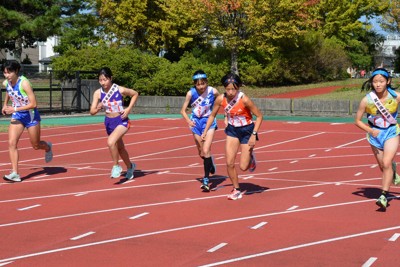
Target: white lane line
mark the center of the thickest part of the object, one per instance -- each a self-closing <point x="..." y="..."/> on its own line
<point x="45" y="252"/>
<point x="83" y="168"/>
<point x="81" y="194"/>
<point x="41" y="176"/>
<point x="194" y="164"/>
<point x="318" y="194"/>
<point x="245" y="177"/>
<point x="394" y="237"/>
<point x="219" y="158"/>
<point x="139" y="215"/>
<point x="369" y="262"/>
<point x="374" y="166"/>
<point x="312" y="155"/>
<point x="217" y="247"/>
<point x="293" y="208"/>
<point x="294" y="161"/>
<point x="4" y="264"/>
<point x="350" y="143"/>
<point x="257" y="226"/>
<point x="273" y="169"/>
<point x="164" y="172"/>
<point x="358" y="174"/>
<point x="30" y="207"/>
<point x="291" y="140"/>
<point x="82" y="236"/>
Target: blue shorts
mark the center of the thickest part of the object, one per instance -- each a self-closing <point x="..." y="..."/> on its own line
<point x="200" y="125"/>
<point x="383" y="135"/>
<point x="112" y="123"/>
<point x="27" y="118"/>
<point x="242" y="133"/>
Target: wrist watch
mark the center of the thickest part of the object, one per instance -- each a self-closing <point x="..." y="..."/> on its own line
<point x="254" y="133"/>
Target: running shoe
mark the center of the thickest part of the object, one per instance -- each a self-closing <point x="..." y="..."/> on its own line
<point x="214" y="167"/>
<point x="396" y="177"/>
<point x="48" y="156"/>
<point x="253" y="163"/>
<point x="116" y="171"/>
<point x="235" y="194"/>
<point x="205" y="185"/>
<point x="382" y="202"/>
<point x="129" y="172"/>
<point x="12" y="177"/>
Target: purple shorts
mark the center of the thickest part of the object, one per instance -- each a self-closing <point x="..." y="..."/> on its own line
<point x="112" y="123"/>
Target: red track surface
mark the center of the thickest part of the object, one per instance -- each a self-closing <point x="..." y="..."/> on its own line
<point x="310" y="200"/>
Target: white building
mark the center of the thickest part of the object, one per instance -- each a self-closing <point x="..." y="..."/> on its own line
<point x="386" y="53"/>
<point x="40" y="56"/>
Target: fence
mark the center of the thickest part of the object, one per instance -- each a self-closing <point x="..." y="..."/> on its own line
<point x="74" y="95"/>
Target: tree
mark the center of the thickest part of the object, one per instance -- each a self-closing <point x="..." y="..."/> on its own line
<point x="26" y="22"/>
<point x="131" y="22"/>
<point x="81" y="27"/>
<point x="391" y="19"/>
<point x="237" y="24"/>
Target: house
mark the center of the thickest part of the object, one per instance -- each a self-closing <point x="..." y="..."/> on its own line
<point x="40" y="56"/>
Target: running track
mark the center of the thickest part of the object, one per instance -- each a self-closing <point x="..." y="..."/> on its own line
<point x="310" y="201"/>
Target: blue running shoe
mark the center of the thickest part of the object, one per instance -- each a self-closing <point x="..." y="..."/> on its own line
<point x="129" y="172"/>
<point x="205" y="185"/>
<point x="49" y="154"/>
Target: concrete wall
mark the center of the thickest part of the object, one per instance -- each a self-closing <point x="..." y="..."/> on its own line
<point x="268" y="106"/>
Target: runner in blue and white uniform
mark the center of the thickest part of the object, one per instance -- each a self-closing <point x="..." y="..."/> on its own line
<point x="110" y="98"/>
<point x="381" y="107"/>
<point x="200" y="99"/>
<point x="24" y="114"/>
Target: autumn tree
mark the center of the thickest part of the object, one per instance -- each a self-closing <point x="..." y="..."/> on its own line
<point x="238" y="25"/>
<point x="391" y="19"/>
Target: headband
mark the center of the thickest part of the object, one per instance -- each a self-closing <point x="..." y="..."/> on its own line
<point x="230" y="80"/>
<point x="381" y="72"/>
<point x="199" y="76"/>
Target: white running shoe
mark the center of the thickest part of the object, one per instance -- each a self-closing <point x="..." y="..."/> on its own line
<point x="116" y="171"/>
<point x="12" y="177"/>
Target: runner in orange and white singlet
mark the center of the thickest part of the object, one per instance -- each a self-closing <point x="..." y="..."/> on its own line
<point x="241" y="131"/>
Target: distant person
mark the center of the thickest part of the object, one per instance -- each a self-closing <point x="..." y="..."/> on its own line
<point x="24" y="114"/>
<point x="110" y="98"/>
<point x="200" y="99"/>
<point x="381" y="106"/>
<point x="241" y="131"/>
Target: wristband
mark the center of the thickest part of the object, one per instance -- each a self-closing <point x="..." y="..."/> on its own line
<point x="15" y="108"/>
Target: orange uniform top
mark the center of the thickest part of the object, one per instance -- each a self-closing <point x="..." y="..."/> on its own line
<point x="238" y="115"/>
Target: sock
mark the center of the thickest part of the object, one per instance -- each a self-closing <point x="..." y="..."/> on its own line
<point x="207" y="166"/>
